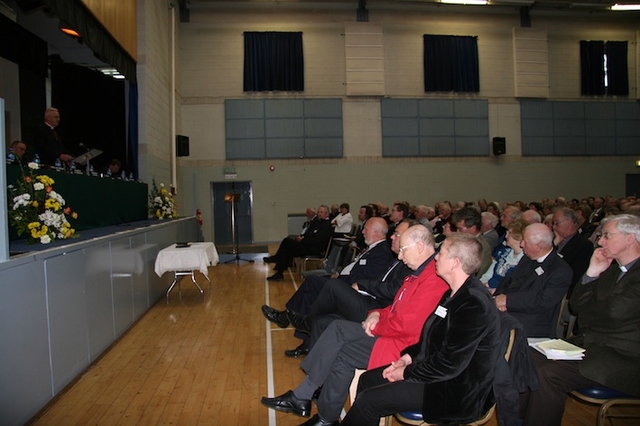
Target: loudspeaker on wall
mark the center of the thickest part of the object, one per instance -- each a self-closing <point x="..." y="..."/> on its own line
<point x="499" y="146"/>
<point x="182" y="146"/>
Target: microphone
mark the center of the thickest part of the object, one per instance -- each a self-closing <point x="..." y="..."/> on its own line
<point x="86" y="148"/>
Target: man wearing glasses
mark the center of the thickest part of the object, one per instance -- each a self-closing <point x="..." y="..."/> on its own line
<point x="606" y="302"/>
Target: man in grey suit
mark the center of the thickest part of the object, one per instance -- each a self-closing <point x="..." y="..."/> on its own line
<point x="606" y="301"/>
<point x="532" y="292"/>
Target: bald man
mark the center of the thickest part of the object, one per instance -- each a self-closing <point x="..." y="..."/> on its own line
<point x="533" y="291"/>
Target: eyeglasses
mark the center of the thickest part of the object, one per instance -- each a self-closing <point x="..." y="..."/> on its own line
<point x="403" y="248"/>
<point x="606" y="235"/>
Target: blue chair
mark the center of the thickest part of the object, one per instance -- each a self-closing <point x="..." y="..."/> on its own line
<point x="607" y="398"/>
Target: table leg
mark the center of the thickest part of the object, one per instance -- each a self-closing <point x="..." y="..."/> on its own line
<point x="196" y="284"/>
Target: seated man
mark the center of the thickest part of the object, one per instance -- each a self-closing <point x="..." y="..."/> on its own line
<point x="314" y="240"/>
<point x="572" y="247"/>
<point x="533" y="291"/>
<point x="339" y="300"/>
<point x="468" y="221"/>
<point x="368" y="265"/>
<point x="488" y="228"/>
<point x="606" y="302"/>
<point x="448" y="375"/>
<point x="347" y="345"/>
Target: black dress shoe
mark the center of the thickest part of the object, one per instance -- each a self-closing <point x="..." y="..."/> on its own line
<point x="288" y="403"/>
<point x="316" y="420"/>
<point x="297" y="352"/>
<point x="276" y="277"/>
<point x="268" y="259"/>
<point x="277" y="317"/>
<point x="300" y="322"/>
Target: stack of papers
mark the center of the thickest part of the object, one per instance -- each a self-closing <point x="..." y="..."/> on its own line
<point x="557" y="349"/>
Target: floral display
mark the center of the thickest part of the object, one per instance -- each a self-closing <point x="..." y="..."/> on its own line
<point x="161" y="203"/>
<point x="37" y="210"/>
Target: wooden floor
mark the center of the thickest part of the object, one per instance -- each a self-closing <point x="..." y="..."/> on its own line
<point x="203" y="363"/>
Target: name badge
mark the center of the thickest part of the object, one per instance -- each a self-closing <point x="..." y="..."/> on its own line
<point x="363" y="261"/>
<point x="539" y="270"/>
<point x="441" y="311"/>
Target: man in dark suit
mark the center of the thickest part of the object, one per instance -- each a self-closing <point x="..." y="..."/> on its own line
<point x="313" y="241"/>
<point x="47" y="142"/>
<point x="598" y="211"/>
<point x="339" y="300"/>
<point x="575" y="249"/>
<point x="606" y="301"/>
<point x="533" y="291"/>
<point x="369" y="265"/>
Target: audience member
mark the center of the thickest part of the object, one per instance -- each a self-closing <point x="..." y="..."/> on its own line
<point x="509" y="214"/>
<point x="313" y="241"/>
<point x="343" y="221"/>
<point x="606" y="302"/>
<point x="571" y="246"/>
<point x="444" y="216"/>
<point x="399" y="212"/>
<point x="365" y="213"/>
<point x="532" y="292"/>
<point x="468" y="221"/>
<point x="48" y="143"/>
<point x="339" y="300"/>
<point x="489" y="223"/>
<point x="347" y="345"/>
<point x="369" y="265"/>
<point x="531" y="216"/>
<point x="598" y="211"/>
<point x="448" y="375"/>
<point x="507" y="258"/>
<point x="583" y="212"/>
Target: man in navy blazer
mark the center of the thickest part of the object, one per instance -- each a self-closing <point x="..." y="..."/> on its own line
<point x="533" y="291"/>
<point x="368" y="265"/>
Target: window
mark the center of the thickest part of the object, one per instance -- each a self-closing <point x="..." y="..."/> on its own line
<point x="451" y="64"/>
<point x="273" y="61"/>
<point x="603" y="68"/>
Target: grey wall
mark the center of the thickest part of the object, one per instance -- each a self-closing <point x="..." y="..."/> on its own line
<point x="61" y="308"/>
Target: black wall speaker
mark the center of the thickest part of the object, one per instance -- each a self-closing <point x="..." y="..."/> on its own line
<point x="182" y="146"/>
<point x="499" y="146"/>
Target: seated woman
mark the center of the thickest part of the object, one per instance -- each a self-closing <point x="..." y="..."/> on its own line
<point x="507" y="257"/>
<point x="448" y="375"/>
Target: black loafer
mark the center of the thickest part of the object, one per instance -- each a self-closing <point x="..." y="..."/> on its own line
<point x="316" y="420"/>
<point x="288" y="403"/>
<point x="297" y="352"/>
<point x="300" y="322"/>
<point x="277" y="317"/>
<point x="276" y="277"/>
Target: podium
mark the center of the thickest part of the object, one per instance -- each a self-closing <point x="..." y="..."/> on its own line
<point x="84" y="159"/>
<point x="233" y="198"/>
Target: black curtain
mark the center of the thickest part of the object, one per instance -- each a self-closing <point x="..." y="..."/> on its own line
<point x="92" y="112"/>
<point x="451" y="64"/>
<point x="617" y="71"/>
<point x="273" y="61"/>
<point x="592" y="67"/>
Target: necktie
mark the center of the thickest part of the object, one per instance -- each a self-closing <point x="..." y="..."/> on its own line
<point x="55" y="134"/>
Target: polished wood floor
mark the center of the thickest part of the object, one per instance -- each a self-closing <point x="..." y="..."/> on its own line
<point x="191" y="362"/>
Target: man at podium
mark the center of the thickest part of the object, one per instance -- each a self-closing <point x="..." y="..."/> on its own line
<point x="47" y="142"/>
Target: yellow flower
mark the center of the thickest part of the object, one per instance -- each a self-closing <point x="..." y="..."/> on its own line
<point x="34" y="203"/>
<point x="33" y="225"/>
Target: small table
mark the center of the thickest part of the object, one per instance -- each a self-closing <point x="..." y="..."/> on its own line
<point x="185" y="260"/>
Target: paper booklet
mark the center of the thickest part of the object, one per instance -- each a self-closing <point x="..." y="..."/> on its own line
<point x="557" y="349"/>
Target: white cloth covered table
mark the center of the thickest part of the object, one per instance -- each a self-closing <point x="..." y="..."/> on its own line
<point x="185" y="260"/>
<point x="198" y="256"/>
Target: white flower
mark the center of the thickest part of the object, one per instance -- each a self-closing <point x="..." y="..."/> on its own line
<point x="162" y="185"/>
<point x="38" y="186"/>
<point x="33" y="165"/>
<point x="45" y="239"/>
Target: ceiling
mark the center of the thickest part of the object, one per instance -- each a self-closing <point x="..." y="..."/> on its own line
<point x="73" y="51"/>
<point x="577" y="5"/>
